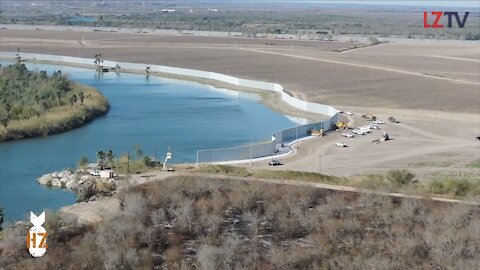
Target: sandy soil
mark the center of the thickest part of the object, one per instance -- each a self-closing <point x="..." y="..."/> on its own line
<point x="433" y="88"/>
<point x="438" y="76"/>
<point x="95" y="211"/>
<point x="428" y="144"/>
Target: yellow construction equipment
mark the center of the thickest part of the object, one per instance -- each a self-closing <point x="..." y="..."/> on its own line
<point x="341" y="125"/>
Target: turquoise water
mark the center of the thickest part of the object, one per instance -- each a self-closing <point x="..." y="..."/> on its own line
<point x="154" y="112"/>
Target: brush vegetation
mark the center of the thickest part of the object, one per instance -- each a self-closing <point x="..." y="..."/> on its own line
<point x="194" y="222"/>
<point x="270" y="174"/>
<point x="402" y="181"/>
<point x="35" y="104"/>
<point x="252" y="19"/>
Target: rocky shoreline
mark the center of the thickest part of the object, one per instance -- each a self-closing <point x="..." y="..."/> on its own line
<point x="86" y="185"/>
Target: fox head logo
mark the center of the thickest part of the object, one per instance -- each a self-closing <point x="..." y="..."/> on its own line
<point x="37" y="235"/>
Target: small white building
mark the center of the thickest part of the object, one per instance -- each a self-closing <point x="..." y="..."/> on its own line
<point x="106" y="174"/>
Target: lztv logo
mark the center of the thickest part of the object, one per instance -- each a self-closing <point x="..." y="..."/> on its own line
<point x="438" y="15"/>
<point x="37" y="236"/>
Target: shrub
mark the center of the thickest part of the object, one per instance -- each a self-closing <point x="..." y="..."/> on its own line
<point x="300" y="176"/>
<point x="225" y="169"/>
<point x="438" y="187"/>
<point x="374" y="41"/>
<point x="146" y="161"/>
<point x="399" y="178"/>
<point x="85" y="192"/>
<point x="474" y="165"/>
<point x="462" y="187"/>
<point x="373" y="182"/>
<point x="454" y="187"/>
<point x="82" y="162"/>
<point x="188" y="222"/>
<point x="210" y="257"/>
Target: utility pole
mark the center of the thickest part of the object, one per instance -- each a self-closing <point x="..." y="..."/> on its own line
<point x="128" y="161"/>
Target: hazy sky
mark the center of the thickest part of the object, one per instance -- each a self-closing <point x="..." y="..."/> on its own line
<point x="444" y="3"/>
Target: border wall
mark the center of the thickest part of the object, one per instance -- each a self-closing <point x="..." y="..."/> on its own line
<point x="224" y="154"/>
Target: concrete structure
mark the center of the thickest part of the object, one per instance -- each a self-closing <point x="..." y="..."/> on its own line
<point x="106" y="174"/>
<point x="226" y="154"/>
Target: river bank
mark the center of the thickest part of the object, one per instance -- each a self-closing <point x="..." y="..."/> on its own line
<point x="59" y="119"/>
<point x="146" y="111"/>
<point x="86" y="186"/>
<point x="272" y="100"/>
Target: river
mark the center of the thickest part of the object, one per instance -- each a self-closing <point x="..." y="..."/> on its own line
<point x="156" y="113"/>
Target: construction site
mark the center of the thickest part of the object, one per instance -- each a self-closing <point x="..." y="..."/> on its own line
<point x="426" y="119"/>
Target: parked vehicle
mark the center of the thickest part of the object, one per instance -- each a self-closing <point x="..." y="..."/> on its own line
<point x="274" y="162"/>
<point x="359" y="132"/>
<point x="369" y="117"/>
<point x="393" y="120"/>
<point x="341" y="144"/>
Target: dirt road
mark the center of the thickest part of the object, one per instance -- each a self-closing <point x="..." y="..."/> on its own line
<point x="93" y="212"/>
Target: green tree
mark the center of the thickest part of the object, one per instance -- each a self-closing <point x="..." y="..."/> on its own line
<point x="58" y="96"/>
<point x="7" y="107"/>
<point x="101" y="155"/>
<point x="73" y="100"/>
<point x="5" y="121"/>
<point x="146" y="161"/>
<point x="110" y="157"/>
<point x="81" y="96"/>
<point x="37" y="98"/>
<point x="138" y="151"/>
<point x="98" y="59"/>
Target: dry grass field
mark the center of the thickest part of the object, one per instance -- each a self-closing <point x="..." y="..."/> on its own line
<point x="438" y="76"/>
